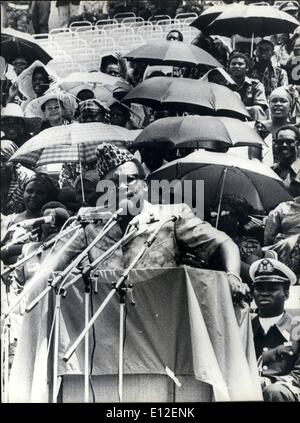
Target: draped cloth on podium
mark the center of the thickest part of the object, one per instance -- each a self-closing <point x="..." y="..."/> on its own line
<point x="183" y="319"/>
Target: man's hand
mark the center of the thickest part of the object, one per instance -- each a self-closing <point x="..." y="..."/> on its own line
<point x="237" y="287"/>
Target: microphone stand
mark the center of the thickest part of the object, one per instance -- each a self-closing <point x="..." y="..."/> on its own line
<point x="121" y="288"/>
<point x="85" y="275"/>
<point x="112" y="221"/>
<point x="39" y="250"/>
<point x="5" y="341"/>
<point x="62" y="277"/>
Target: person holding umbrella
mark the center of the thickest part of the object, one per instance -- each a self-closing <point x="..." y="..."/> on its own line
<point x="251" y="91"/>
<point x="263" y="69"/>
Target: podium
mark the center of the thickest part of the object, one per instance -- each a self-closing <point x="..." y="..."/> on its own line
<point x="183" y="320"/>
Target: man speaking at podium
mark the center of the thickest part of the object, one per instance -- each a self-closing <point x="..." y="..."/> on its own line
<point x="121" y="179"/>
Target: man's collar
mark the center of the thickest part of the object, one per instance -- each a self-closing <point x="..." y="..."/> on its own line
<point x="283" y="325"/>
<point x="295" y="166"/>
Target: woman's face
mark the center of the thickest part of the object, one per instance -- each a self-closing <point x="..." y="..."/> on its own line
<point x="279" y="106"/>
<point x="53" y="111"/>
<point x="35" y="196"/>
<point x="40" y="83"/>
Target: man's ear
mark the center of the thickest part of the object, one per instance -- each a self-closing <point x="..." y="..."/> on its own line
<point x="286" y="293"/>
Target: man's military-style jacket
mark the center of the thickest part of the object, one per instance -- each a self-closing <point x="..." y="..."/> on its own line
<point x="188" y="234"/>
<point x="278" y="351"/>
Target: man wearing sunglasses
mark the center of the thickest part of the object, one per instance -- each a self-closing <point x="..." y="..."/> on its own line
<point x="288" y="167"/>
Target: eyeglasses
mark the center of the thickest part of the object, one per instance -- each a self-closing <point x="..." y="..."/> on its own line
<point x="285" y="141"/>
<point x="128" y="181"/>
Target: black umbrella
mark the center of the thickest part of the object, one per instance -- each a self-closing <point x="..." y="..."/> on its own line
<point x="209" y="132"/>
<point x="223" y="174"/>
<point x="191" y="95"/>
<point x="16" y="43"/>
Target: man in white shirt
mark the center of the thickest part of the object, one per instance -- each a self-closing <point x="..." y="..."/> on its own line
<point x="276" y="332"/>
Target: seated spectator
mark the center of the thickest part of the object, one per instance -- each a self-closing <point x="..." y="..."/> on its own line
<point x="233" y="218"/>
<point x="38" y="190"/>
<point x="282" y="233"/>
<point x="283" y="49"/>
<point x="34" y="81"/>
<point x="19" y="64"/>
<point x="120" y="115"/>
<point x="274" y="330"/>
<point x="13" y="180"/>
<point x="90" y="180"/>
<point x="288" y="166"/>
<point x="54" y="108"/>
<point x="280" y="102"/>
<point x="114" y="65"/>
<point x="174" y="35"/>
<point x="271" y="76"/>
<point x="92" y="110"/>
<point x="293" y="63"/>
<point x="251" y="90"/>
<point x="214" y="46"/>
<point x="16" y="126"/>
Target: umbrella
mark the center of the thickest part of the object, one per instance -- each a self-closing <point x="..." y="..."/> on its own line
<point x="102" y="84"/>
<point x="224" y="174"/>
<point x="16" y="43"/>
<point x="207" y="17"/>
<point x="191" y="95"/>
<point x="250" y="21"/>
<point x="198" y="132"/>
<point x="76" y="142"/>
<point x="175" y="53"/>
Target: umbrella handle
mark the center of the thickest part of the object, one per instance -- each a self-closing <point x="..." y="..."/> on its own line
<point x="80" y="172"/>
<point x="221" y="196"/>
<point x="252" y="42"/>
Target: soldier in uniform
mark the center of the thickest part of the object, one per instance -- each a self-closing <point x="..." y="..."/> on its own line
<point x="276" y="332"/>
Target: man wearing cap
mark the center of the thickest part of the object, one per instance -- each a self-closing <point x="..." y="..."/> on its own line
<point x="251" y="91"/>
<point x="276" y="333"/>
<point x="122" y="183"/>
<point x="263" y="70"/>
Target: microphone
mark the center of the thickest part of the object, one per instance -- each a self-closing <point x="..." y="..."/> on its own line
<point x="34" y="223"/>
<point x="94" y="214"/>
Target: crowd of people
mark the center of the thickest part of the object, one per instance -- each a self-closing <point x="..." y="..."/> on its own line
<point x="260" y="252"/>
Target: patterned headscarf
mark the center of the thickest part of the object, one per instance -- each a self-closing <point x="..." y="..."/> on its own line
<point x="50" y="184"/>
<point x="8" y="148"/>
<point x="109" y="157"/>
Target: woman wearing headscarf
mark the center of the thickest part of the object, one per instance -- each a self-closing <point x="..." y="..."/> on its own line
<point x="38" y="190"/>
<point x="280" y="102"/>
<point x="13" y="180"/>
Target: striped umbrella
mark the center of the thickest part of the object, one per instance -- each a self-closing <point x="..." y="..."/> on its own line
<point x="75" y="143"/>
